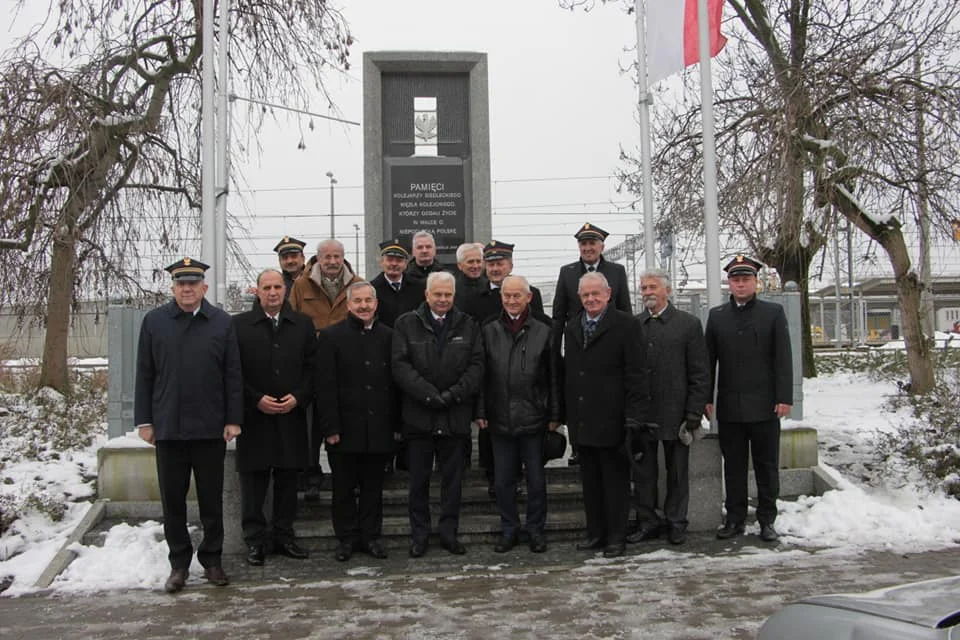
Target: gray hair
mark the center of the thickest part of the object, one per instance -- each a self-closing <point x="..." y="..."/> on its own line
<point x="469" y="246"/>
<point x="359" y="284"/>
<point x="328" y="242"/>
<point x="270" y="270"/>
<point x="422" y="234"/>
<point x="657" y="273"/>
<point x="590" y="276"/>
<point x="441" y="276"/>
<point x="523" y="281"/>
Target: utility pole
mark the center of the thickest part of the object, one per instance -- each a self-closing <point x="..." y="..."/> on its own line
<point x="333" y="181"/>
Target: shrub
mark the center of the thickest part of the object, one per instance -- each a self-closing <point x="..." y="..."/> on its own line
<point x="931" y="442"/>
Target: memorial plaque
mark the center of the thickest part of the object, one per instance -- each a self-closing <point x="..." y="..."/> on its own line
<point x="428" y="197"/>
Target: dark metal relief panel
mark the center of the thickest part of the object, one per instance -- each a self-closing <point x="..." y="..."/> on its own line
<point x="453" y="111"/>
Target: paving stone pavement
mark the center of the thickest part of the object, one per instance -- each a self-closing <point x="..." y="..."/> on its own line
<point x="704" y="589"/>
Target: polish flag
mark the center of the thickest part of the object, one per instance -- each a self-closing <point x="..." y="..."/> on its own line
<point x="672" y="37"/>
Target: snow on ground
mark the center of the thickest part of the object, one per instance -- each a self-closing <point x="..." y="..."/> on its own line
<point x="870" y="511"/>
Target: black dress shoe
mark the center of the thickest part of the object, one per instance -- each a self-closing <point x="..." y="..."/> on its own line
<point x="417" y="549"/>
<point x="343" y="552"/>
<point x="176" y="581"/>
<point x="375" y="549"/>
<point x="590" y="544"/>
<point x="454" y="546"/>
<point x="292" y="550"/>
<point x="538" y="543"/>
<point x="255" y="555"/>
<point x="215" y="575"/>
<point x="614" y="550"/>
<point x="504" y="544"/>
<point x="677" y="535"/>
<point x="730" y="530"/>
<point x="573" y="460"/>
<point x="768" y="533"/>
<point x="643" y="533"/>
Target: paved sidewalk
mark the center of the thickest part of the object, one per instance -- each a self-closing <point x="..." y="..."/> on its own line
<point x="710" y="589"/>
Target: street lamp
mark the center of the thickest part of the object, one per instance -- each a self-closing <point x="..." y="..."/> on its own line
<point x="356" y="245"/>
<point x="333" y="181"/>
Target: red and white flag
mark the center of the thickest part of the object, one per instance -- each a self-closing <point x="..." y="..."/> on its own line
<point x="672" y="35"/>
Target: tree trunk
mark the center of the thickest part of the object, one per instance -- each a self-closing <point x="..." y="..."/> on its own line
<point x="53" y="370"/>
<point x="909" y="287"/>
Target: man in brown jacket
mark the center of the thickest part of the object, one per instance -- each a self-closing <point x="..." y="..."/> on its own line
<point x="321" y="292"/>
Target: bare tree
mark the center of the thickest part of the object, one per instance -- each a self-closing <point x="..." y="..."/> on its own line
<point x="823" y="112"/>
<point x="99" y="138"/>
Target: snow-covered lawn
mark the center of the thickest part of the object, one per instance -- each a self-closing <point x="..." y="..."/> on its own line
<point x="878" y="507"/>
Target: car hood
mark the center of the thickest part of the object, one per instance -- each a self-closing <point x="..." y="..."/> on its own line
<point x="932" y="603"/>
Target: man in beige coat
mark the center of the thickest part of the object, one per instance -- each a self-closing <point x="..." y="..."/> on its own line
<point x="321" y="292"/>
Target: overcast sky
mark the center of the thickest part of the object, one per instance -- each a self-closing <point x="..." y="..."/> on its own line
<point x="559" y="109"/>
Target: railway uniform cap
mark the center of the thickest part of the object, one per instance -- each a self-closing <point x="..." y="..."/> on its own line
<point x="187" y="270"/>
<point x="393" y="248"/>
<point x="494" y="250"/>
<point x="289" y="244"/>
<point x="743" y="265"/>
<point x="590" y="232"/>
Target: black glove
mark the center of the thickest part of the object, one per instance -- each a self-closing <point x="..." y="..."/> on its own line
<point x="433" y="402"/>
<point x="692" y="423"/>
<point x="447" y="399"/>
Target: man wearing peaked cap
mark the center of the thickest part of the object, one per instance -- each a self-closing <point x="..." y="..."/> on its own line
<point x="189" y="404"/>
<point x="498" y="263"/>
<point x="396" y="293"/>
<point x="749" y="340"/>
<point x="566" y="300"/>
<point x="290" y="254"/>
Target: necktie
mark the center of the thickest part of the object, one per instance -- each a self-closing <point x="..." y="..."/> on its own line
<point x="591" y="268"/>
<point x="276" y="322"/>
<point x="395" y="285"/>
<point x="589" y="330"/>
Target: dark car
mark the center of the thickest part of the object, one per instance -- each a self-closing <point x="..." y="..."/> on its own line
<point x="929" y="609"/>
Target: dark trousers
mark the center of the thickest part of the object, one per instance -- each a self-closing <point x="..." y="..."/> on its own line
<point x="676" y="457"/>
<point x="762" y="441"/>
<point x="485" y="453"/>
<point x="605" y="475"/>
<point x="449" y="455"/>
<point x="253" y="493"/>
<point x="357" y="521"/>
<point x="176" y="460"/>
<point x="509" y="452"/>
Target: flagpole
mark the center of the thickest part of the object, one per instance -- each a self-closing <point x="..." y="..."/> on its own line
<point x="711" y="225"/>
<point x="208" y="239"/>
<point x="644" y="102"/>
<point x="222" y="147"/>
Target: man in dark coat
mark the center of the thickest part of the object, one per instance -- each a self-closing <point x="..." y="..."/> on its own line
<point x="520" y="401"/>
<point x="566" y="301"/>
<point x="358" y="409"/>
<point x="469" y="274"/>
<point x="189" y="404"/>
<point x="278" y="351"/>
<point x="606" y="393"/>
<point x="396" y="294"/>
<point x="438" y="366"/>
<point x="498" y="262"/>
<point x="749" y="340"/>
<point x="676" y="360"/>
<point x="424" y="257"/>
